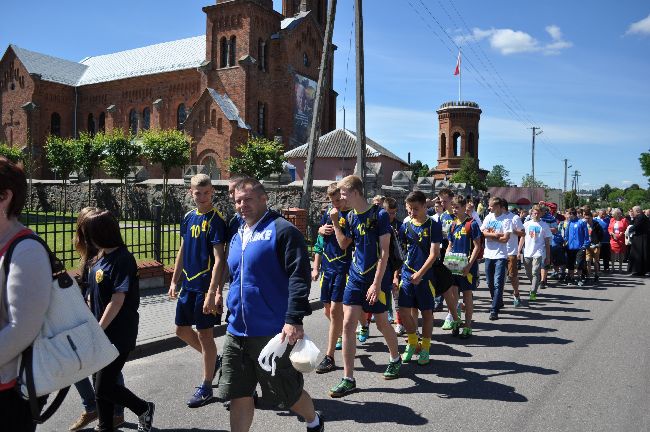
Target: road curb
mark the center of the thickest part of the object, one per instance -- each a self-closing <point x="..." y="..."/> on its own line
<point x="169" y="342"/>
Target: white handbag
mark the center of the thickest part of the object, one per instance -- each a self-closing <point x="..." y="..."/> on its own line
<point x="70" y="345"/>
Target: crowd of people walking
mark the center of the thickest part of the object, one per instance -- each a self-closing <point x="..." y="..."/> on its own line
<point x="371" y="268"/>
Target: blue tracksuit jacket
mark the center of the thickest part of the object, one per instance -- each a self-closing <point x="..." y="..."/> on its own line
<point x="270" y="278"/>
<point x="576" y="234"/>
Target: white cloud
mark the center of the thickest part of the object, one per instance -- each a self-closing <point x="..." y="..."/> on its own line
<point x="641" y="27"/>
<point x="509" y="41"/>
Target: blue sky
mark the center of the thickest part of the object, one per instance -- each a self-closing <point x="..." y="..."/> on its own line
<point x="580" y="73"/>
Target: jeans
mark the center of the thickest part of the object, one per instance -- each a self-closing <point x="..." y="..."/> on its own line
<point x="495" y="273"/>
<point x="87" y="394"/>
<point x="109" y="393"/>
<point x="534" y="271"/>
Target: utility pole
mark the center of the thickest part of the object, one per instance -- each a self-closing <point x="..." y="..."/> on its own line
<point x="361" y="98"/>
<point x="566" y="161"/>
<point x="314" y="134"/>
<point x="534" y="128"/>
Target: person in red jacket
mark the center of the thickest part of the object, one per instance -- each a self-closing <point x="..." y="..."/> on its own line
<point x="617" y="226"/>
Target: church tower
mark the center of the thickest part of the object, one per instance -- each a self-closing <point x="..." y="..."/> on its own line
<point x="457" y="137"/>
<point x="291" y="8"/>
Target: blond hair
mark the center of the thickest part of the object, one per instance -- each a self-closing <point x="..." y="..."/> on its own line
<point x="200" y="180"/>
<point x="352" y="182"/>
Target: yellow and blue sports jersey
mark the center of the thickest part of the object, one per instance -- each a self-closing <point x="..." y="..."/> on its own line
<point x="446" y="219"/>
<point x="335" y="260"/>
<point x="418" y="239"/>
<point x="365" y="229"/>
<point x="200" y="232"/>
<point x="460" y="239"/>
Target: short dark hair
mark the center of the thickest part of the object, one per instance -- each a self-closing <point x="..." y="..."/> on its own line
<point x="390" y="203"/>
<point x="504" y="203"/>
<point x="446" y="191"/>
<point x="416" y="196"/>
<point x="459" y="200"/>
<point x="252" y="183"/>
<point x="12" y="178"/>
<point x="102" y="230"/>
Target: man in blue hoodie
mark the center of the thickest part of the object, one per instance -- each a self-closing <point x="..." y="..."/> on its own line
<point x="269" y="294"/>
<point x="576" y="238"/>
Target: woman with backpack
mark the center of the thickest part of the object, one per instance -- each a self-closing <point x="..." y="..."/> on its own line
<point x="114" y="296"/>
<point x="25" y="283"/>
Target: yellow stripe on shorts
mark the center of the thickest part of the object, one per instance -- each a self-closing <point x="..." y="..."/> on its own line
<point x="432" y="288"/>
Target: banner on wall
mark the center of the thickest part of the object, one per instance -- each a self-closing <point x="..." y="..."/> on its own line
<point x="305" y="95"/>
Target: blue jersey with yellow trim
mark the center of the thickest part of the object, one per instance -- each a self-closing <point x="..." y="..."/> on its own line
<point x="365" y="229"/>
<point x="461" y="240"/>
<point x="335" y="260"/>
<point x="200" y="232"/>
<point x="418" y="239"/>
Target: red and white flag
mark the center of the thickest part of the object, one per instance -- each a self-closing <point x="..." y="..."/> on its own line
<point x="457" y="70"/>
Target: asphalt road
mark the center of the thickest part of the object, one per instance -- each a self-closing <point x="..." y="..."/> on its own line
<point x="577" y="360"/>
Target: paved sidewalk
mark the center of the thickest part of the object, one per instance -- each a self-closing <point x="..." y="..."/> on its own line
<point x="156" y="332"/>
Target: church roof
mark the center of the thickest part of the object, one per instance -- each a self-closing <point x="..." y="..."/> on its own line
<point x="50" y="68"/>
<point x="342" y="143"/>
<point x="171" y="56"/>
<point x="228" y="107"/>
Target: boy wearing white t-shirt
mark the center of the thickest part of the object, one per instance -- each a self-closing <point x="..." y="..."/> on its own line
<point x="496" y="228"/>
<point x="536" y="244"/>
<point x="512" y="245"/>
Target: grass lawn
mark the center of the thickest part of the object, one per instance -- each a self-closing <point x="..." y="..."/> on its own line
<point x="58" y="231"/>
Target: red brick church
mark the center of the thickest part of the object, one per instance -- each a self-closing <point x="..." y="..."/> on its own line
<point x="254" y="72"/>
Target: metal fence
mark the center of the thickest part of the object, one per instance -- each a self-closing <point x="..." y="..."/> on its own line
<point x="146" y="235"/>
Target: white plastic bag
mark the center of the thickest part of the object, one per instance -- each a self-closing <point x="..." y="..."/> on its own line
<point x="304" y="356"/>
<point x="275" y="348"/>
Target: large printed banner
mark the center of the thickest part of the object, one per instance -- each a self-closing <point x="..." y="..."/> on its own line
<point x="305" y="89"/>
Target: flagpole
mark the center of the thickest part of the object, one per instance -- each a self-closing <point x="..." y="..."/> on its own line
<point x="460" y="75"/>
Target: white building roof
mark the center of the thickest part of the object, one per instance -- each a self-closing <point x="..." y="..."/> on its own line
<point x="171" y="56"/>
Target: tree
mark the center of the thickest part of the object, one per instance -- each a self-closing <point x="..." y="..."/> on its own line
<point x="527" y="181"/>
<point x="419" y="170"/>
<point x="60" y="153"/>
<point x="604" y="192"/>
<point x="11" y="153"/>
<point x="88" y="154"/>
<point x="498" y="177"/>
<point x="571" y="199"/>
<point x="644" y="159"/>
<point x="258" y="158"/>
<point x="170" y="148"/>
<point x="469" y="173"/>
<point x="121" y="152"/>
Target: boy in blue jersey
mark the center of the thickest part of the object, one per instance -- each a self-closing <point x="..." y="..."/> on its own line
<point x="446" y="218"/>
<point x="465" y="237"/>
<point x="334" y="264"/>
<point x="200" y="262"/>
<point x="422" y="237"/>
<point x="367" y="226"/>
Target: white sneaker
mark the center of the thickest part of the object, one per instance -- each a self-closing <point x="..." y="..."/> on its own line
<point x="399" y="329"/>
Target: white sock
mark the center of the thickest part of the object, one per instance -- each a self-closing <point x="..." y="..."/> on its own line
<point x="314" y="423"/>
<point x="393" y="360"/>
<point x="449" y="317"/>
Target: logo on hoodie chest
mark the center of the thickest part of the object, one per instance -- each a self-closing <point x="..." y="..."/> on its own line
<point x="259" y="236"/>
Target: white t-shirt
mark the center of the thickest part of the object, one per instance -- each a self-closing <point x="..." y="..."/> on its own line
<point x="535" y="239"/>
<point x="501" y="225"/>
<point x="513" y="242"/>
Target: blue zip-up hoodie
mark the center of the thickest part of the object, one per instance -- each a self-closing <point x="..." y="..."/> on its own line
<point x="576" y="234"/>
<point x="270" y="278"/>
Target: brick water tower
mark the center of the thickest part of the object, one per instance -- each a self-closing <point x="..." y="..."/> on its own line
<point x="457" y="137"/>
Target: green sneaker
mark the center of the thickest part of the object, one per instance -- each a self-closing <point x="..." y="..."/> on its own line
<point x="448" y="324"/>
<point x="343" y="388"/>
<point x="363" y="334"/>
<point x="392" y="371"/>
<point x="456" y="326"/>
<point x="467" y="332"/>
<point x="339" y="344"/>
<point x="533" y="296"/>
<point x="423" y="358"/>
<point x="408" y="353"/>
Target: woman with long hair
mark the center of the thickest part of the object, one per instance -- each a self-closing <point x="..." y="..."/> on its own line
<point x="114" y="293"/>
<point x="24" y="296"/>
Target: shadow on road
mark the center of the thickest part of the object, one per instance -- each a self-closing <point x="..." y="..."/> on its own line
<point x="368" y="412"/>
